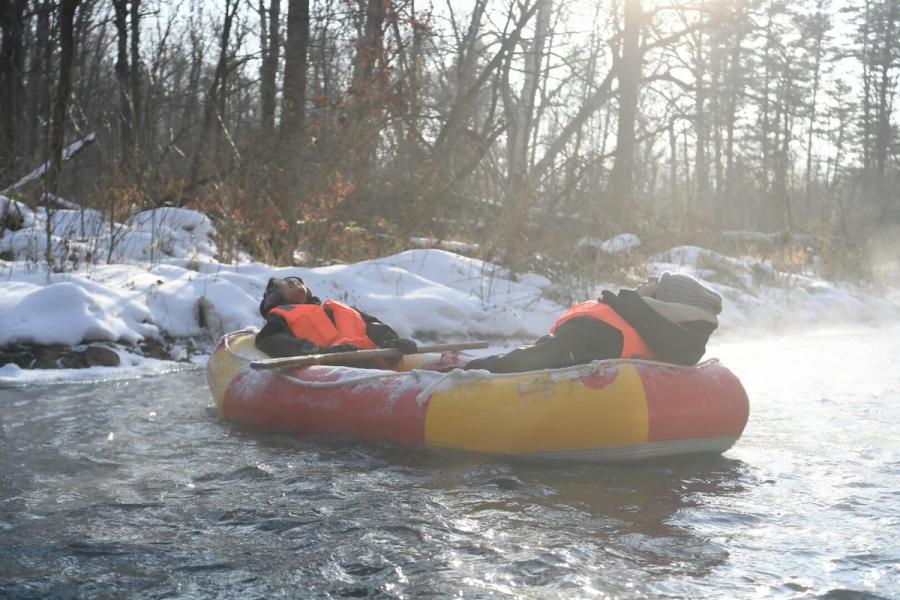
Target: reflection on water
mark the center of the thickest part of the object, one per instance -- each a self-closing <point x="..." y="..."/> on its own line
<point x="137" y="489"/>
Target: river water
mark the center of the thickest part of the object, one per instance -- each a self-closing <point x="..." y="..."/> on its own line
<point x="137" y="489"/>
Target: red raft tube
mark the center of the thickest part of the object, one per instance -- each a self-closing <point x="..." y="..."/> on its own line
<point x="610" y="410"/>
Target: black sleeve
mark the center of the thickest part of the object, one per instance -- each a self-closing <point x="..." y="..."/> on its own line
<point x="585" y="339"/>
<point x="377" y="331"/>
<point x="578" y="341"/>
<point x="276" y="340"/>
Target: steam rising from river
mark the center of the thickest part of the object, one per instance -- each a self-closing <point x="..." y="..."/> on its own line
<point x="883" y="255"/>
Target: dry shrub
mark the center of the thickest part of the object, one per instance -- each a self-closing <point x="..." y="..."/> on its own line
<point x="11" y="219"/>
<point x="246" y="221"/>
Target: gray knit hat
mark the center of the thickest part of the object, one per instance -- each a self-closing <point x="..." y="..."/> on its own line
<point x="684" y="289"/>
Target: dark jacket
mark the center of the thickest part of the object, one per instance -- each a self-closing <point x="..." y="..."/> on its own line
<point x="277" y="340"/>
<point x="584" y="339"/>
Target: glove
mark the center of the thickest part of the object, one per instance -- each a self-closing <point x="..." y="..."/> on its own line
<point x="340" y="348"/>
<point x="404" y="345"/>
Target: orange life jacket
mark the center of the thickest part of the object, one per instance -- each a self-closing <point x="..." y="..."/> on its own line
<point x="309" y="321"/>
<point x="633" y="345"/>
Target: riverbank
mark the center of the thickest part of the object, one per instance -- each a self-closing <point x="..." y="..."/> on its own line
<point x="164" y="298"/>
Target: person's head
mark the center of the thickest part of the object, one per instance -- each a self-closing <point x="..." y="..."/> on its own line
<point x="288" y="290"/>
<point x="681" y="289"/>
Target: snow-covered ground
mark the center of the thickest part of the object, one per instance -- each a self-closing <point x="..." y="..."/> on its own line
<point x="163" y="280"/>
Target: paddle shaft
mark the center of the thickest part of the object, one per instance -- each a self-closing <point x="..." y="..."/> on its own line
<point x="338" y="358"/>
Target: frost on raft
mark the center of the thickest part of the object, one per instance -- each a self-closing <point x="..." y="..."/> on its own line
<point x="250" y="383"/>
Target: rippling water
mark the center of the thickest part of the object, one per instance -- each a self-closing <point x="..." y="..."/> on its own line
<point x="137" y="489"/>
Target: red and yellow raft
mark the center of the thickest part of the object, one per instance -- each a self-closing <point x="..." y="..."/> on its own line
<point x="604" y="411"/>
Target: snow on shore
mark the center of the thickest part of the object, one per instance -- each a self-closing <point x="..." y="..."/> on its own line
<point x="165" y="281"/>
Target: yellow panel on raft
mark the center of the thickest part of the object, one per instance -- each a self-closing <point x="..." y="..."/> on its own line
<point x="225" y="362"/>
<point x="532" y="413"/>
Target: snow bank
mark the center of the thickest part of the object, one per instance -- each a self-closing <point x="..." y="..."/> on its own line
<point x="758" y="295"/>
<point x="64" y="313"/>
<point x="421" y="293"/>
<point x="83" y="235"/>
<point x="164" y="281"/>
<point x="440" y="294"/>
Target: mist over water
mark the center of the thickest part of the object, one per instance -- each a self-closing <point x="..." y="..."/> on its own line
<point x="138" y="489"/>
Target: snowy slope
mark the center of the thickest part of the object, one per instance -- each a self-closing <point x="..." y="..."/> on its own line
<point x="164" y="280"/>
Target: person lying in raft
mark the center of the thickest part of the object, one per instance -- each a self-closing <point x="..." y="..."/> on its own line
<point x="667" y="318"/>
<point x="298" y="324"/>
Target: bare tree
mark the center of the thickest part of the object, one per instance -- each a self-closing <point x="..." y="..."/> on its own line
<point x="67" y="10"/>
<point x="520" y="111"/>
<point x="496" y="122"/>
<point x="39" y="75"/>
<point x="621" y="180"/>
<point x="886" y="60"/>
<point x="135" y="77"/>
<point x="293" y="108"/>
<point x="12" y="87"/>
<point x="123" y="78"/>
<point x="815" y="32"/>
<point x="270" y="36"/>
<point x="215" y="90"/>
<point x="368" y="89"/>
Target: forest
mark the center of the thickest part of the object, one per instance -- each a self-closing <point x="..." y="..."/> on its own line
<point x="336" y="130"/>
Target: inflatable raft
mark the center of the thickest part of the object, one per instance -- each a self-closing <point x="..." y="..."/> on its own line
<point x="604" y="411"/>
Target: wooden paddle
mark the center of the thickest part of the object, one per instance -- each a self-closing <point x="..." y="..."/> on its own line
<point x="355" y="355"/>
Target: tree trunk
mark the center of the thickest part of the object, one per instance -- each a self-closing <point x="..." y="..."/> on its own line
<point x="688" y="184"/>
<point x="520" y="120"/>
<point x="839" y="147"/>
<point x="621" y="185"/>
<point x="269" y="70"/>
<point x="12" y="88"/>
<point x="39" y="77"/>
<point x="765" y="118"/>
<point x="368" y="89"/>
<point x="819" y="22"/>
<point x="522" y="111"/>
<point x="67" y="10"/>
<point x="716" y="96"/>
<point x="406" y="109"/>
<point x="457" y="114"/>
<point x="198" y="52"/>
<point x="293" y="106"/>
<point x="465" y="62"/>
<point x="866" y="59"/>
<point x="701" y="127"/>
<point x="123" y="79"/>
<point x="888" y="54"/>
<point x="592" y="104"/>
<point x="785" y="165"/>
<point x="673" y="161"/>
<point x="215" y="89"/>
<point x="137" y="103"/>
<point x="735" y="92"/>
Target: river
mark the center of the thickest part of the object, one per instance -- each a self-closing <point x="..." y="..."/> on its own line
<point x="137" y="489"/>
